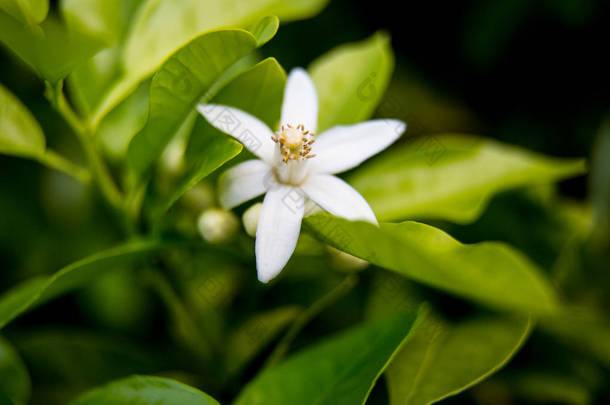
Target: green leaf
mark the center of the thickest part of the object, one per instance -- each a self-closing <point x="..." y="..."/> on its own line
<point x="50" y="49"/>
<point x="341" y="370"/>
<point x="351" y="79"/>
<point x="452" y="177"/>
<point x="182" y="82"/>
<point x="441" y="359"/>
<point x="27" y="11"/>
<point x="14" y="377"/>
<point x="160" y="27"/>
<point x="20" y="134"/>
<point x="489" y="272"/>
<point x="104" y="19"/>
<point x="36" y="291"/>
<point x="258" y="91"/>
<point x="145" y="390"/>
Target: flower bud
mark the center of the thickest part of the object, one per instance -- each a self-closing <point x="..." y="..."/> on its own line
<point x="250" y="218"/>
<point x="216" y="225"/>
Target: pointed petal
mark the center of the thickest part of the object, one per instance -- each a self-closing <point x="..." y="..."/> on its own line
<point x="254" y="134"/>
<point x="300" y="101"/>
<point x="278" y="230"/>
<point x="344" y="147"/>
<point x="338" y="198"/>
<point x="244" y="182"/>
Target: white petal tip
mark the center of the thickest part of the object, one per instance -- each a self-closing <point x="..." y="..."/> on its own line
<point x="266" y="275"/>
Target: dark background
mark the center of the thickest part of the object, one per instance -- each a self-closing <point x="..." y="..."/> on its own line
<point x="533" y="73"/>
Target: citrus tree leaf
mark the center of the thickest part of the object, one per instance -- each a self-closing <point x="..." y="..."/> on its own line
<point x="442" y="359"/>
<point x="145" y="390"/>
<point x="341" y="370"/>
<point x="20" y="134"/>
<point x="14" y="378"/>
<point x="184" y="80"/>
<point x="50" y="49"/>
<point x="160" y="27"/>
<point x="351" y="79"/>
<point x="36" y="291"/>
<point x="490" y="273"/>
<point x="452" y="177"/>
<point x="27" y="11"/>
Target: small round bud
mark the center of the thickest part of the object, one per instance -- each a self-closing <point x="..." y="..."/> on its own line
<point x="250" y="218"/>
<point x="216" y="225"/>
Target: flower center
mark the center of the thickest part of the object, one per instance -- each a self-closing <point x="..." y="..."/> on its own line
<point x="295" y="142"/>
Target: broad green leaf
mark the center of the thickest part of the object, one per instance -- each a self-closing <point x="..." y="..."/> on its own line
<point x="255" y="334"/>
<point x="34" y="292"/>
<point x="50" y="49"/>
<point x="160" y="27"/>
<point x="14" y="377"/>
<point x="351" y="79"/>
<point x="145" y="390"/>
<point x="491" y="273"/>
<point x="442" y="359"/>
<point x="184" y="80"/>
<point x="452" y="177"/>
<point x="341" y="370"/>
<point x="20" y="134"/>
<point x="27" y="11"/>
<point x="258" y="91"/>
<point x="104" y="19"/>
<point x="118" y="127"/>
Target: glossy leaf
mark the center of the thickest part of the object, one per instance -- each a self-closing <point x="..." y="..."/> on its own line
<point x="441" y="359"/>
<point x="145" y="390"/>
<point x="184" y="80"/>
<point x="161" y="27"/>
<point x="27" y="11"/>
<point x="14" y="377"/>
<point x="50" y="49"/>
<point x="258" y="91"/>
<point x="341" y="370"/>
<point x="20" y="134"/>
<point x="104" y="19"/>
<point x="491" y="273"/>
<point x="36" y="291"/>
<point x="452" y="177"/>
<point x="351" y="79"/>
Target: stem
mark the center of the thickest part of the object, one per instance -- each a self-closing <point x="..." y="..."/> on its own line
<point x="302" y="320"/>
<point x="60" y="163"/>
<point x="85" y="136"/>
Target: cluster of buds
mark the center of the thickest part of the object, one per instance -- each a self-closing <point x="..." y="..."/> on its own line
<point x="295" y="143"/>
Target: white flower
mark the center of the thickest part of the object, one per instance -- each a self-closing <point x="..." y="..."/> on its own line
<point x="295" y="165"/>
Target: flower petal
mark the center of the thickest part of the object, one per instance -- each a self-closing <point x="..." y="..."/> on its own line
<point x="254" y="134"/>
<point x="244" y="182"/>
<point x="300" y="101"/>
<point x="338" y="198"/>
<point x="278" y="230"/>
<point x="343" y="147"/>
